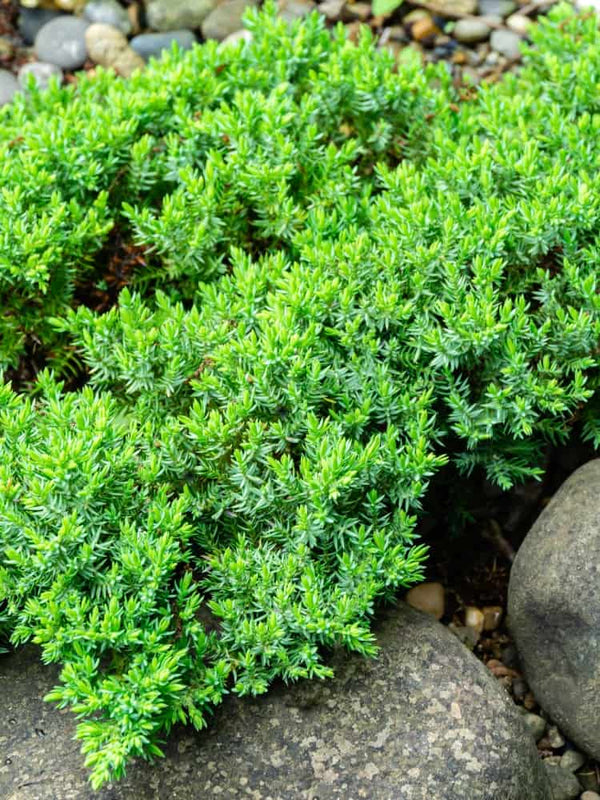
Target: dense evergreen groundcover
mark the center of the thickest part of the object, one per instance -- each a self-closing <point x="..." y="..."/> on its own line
<point x="351" y="277"/>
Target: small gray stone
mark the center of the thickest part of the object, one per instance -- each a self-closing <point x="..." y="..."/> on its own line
<point x="173" y="15"/>
<point x="572" y="760"/>
<point x="492" y="20"/>
<point x="467" y="636"/>
<point x="9" y="86"/>
<point x="108" y="12"/>
<point x="551" y="761"/>
<point x="535" y="724"/>
<point x="151" y="45"/>
<point x="225" y="19"/>
<point x="289" y="10"/>
<point x="41" y="71"/>
<point x="507" y="43"/>
<point x="519" y="23"/>
<point x="236" y="37"/>
<point x="62" y="42"/>
<point x="109" y="47"/>
<point x="471" y="30"/>
<point x="332" y="9"/>
<point x="590" y="796"/>
<point x="555" y="738"/>
<point x="451" y="8"/>
<point x="510" y="657"/>
<point x="563" y="783"/>
<point x="500" y="8"/>
<point x="32" y="19"/>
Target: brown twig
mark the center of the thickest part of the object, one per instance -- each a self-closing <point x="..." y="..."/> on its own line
<point x="493" y="533"/>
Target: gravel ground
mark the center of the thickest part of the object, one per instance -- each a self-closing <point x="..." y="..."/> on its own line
<point x="478" y="39"/>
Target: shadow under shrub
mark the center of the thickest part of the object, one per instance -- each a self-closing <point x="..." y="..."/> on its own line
<point x="257" y="456"/>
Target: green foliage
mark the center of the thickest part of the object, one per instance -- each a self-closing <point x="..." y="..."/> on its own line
<point x="351" y="283"/>
<point x="218" y="148"/>
<point x="117" y="529"/>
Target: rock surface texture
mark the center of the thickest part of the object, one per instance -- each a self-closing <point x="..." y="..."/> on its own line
<point x="42" y="73"/>
<point x="554" y="607"/>
<point x="9" y="86"/>
<point x="563" y="784"/>
<point x="108" y="12"/>
<point x="149" y="45"/>
<point x="225" y="19"/>
<point x="172" y="15"/>
<point x="508" y="43"/>
<point x="109" y="47"/>
<point x="424" y="720"/>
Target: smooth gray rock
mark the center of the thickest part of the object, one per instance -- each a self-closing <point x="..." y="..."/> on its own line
<point x="564" y="784"/>
<point x="519" y="23"/>
<point x="471" y="30"/>
<point x="108" y="12"/>
<point x="9" y="86"/>
<point x="554" y="607"/>
<point x="30" y="21"/>
<point x="62" y="42"/>
<point x="500" y="8"/>
<point x="173" y="15"/>
<point x="554" y="738"/>
<point x="108" y="46"/>
<point x="507" y="43"/>
<point x="41" y="71"/>
<point x="535" y="725"/>
<point x="235" y="38"/>
<point x="290" y="10"/>
<point x="572" y="760"/>
<point x="149" y="45"/>
<point x="225" y="19"/>
<point x="423" y="720"/>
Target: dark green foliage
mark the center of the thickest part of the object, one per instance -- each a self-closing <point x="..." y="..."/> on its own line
<point x="238" y="483"/>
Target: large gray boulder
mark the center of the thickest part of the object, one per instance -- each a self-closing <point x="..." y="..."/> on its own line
<point x="424" y="720"/>
<point x="554" y="607"/>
